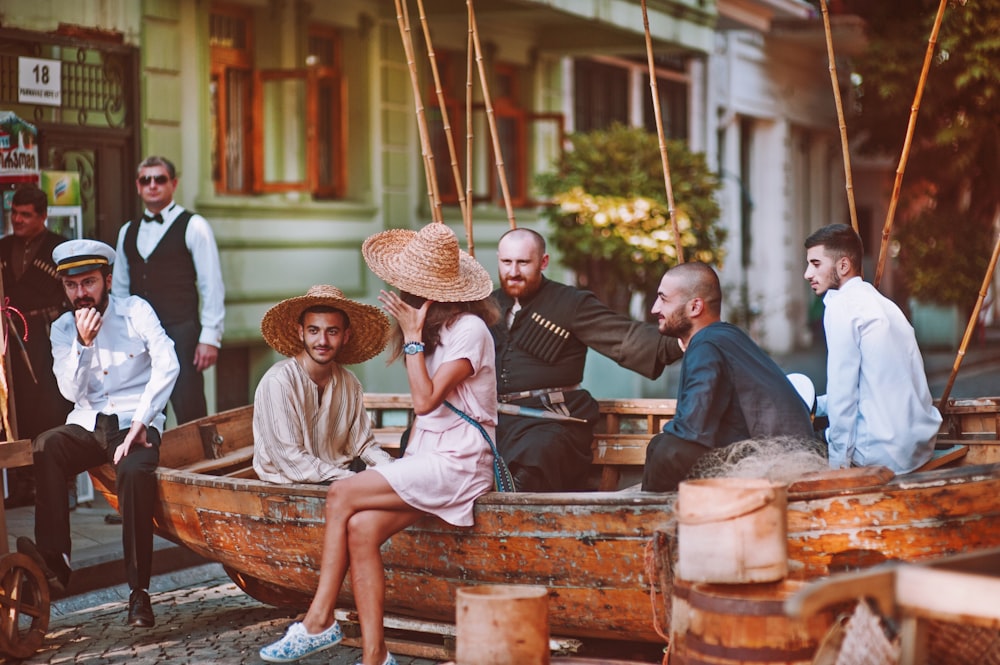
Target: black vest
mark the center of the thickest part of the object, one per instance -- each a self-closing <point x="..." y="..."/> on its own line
<point x="167" y="278"/>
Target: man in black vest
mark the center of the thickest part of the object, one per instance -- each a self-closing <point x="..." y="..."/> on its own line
<point x="169" y="257"/>
<point x="541" y="347"/>
<point x="31" y="285"/>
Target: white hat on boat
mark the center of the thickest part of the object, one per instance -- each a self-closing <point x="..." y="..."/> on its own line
<point x="369" y="325"/>
<point x="427" y="263"/>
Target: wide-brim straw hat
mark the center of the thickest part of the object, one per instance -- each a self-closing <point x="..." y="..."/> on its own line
<point x="427" y="263"/>
<point x="369" y="325"/>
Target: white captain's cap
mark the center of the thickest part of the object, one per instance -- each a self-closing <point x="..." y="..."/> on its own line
<point x="78" y="256"/>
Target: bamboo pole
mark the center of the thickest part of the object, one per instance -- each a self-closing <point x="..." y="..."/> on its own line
<point x="887" y="227"/>
<point x="466" y="218"/>
<point x="491" y="117"/>
<point x="973" y="320"/>
<point x="654" y="89"/>
<point x="840" y="117"/>
<point x="469" y="67"/>
<point x="402" y="18"/>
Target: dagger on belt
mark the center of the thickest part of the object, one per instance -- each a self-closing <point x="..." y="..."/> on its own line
<point x="529" y="412"/>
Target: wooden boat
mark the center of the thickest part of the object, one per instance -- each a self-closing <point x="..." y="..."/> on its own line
<point x="596" y="552"/>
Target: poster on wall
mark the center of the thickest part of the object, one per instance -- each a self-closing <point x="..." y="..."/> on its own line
<point x="18" y="147"/>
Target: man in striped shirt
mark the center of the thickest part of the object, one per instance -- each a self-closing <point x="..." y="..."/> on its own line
<point x="309" y="421"/>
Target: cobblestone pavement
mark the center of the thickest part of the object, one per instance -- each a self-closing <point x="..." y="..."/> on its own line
<point x="201" y="617"/>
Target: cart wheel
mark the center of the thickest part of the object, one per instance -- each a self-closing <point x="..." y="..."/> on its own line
<point x="24" y="606"/>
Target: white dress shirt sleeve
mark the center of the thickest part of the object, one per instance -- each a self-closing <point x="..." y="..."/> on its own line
<point x="165" y="367"/>
<point x="119" y="273"/>
<point x="201" y="243"/>
<point x="71" y="360"/>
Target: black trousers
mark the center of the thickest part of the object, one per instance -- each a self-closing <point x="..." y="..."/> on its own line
<point x="188" y="398"/>
<point x="669" y="460"/>
<point x="62" y="453"/>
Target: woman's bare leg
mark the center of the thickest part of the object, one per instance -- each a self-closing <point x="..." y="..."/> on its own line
<point x="367" y="490"/>
<point x="365" y="534"/>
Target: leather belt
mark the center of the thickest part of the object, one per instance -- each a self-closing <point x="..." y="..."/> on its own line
<point x="524" y="394"/>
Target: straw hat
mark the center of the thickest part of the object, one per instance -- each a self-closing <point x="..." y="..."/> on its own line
<point x="427" y="263"/>
<point x="369" y="325"/>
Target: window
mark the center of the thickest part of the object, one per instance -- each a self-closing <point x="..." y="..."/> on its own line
<point x="276" y="130"/>
<point x="672" y="86"/>
<point x="605" y="93"/>
<point x="601" y="93"/>
<point x="231" y="76"/>
<point x="521" y="134"/>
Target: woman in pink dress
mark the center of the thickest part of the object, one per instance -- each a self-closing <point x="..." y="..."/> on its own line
<point x="444" y="311"/>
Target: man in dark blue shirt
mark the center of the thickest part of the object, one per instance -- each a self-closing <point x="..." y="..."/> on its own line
<point x="730" y="390"/>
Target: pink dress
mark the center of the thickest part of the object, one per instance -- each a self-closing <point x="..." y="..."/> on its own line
<point x="448" y="463"/>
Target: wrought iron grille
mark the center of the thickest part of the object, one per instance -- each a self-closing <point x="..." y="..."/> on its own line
<point x="94" y="81"/>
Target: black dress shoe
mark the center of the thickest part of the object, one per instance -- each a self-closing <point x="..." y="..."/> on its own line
<point x="140" y="611"/>
<point x="53" y="566"/>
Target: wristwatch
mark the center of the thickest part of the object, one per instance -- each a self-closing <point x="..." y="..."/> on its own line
<point x="413" y="348"/>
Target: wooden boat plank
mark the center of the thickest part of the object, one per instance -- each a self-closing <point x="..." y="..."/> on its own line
<point x="841" y="479"/>
<point x="230" y="459"/>
<point x="183" y="445"/>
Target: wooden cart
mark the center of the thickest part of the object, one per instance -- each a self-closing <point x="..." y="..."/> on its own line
<point x="24" y="591"/>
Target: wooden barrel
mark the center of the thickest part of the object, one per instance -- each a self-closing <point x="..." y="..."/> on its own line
<point x="502" y="625"/>
<point x="723" y="624"/>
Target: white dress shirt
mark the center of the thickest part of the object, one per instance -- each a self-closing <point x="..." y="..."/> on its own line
<point x="201" y="243"/>
<point x="880" y="408"/>
<point x="129" y="370"/>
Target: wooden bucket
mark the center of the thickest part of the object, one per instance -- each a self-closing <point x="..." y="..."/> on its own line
<point x="726" y="624"/>
<point x="732" y="530"/>
<point x="502" y="625"/>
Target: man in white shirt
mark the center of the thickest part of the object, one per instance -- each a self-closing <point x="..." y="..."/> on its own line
<point x="878" y="402"/>
<point x="309" y="420"/>
<point x="114" y="361"/>
<point x="169" y="257"/>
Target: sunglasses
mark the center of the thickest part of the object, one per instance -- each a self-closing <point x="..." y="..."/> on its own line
<point x="158" y="179"/>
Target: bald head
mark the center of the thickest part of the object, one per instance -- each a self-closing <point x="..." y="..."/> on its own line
<point x="689" y="298"/>
<point x="521" y="258"/>
<point x="698" y="280"/>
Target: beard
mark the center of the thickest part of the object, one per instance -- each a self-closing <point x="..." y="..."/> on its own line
<point x="676" y="325"/>
<point x="833" y="282"/>
<point x="87" y="302"/>
<point x="520" y="287"/>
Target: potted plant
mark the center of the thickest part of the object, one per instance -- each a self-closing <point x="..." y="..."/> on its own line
<point x="609" y="217"/>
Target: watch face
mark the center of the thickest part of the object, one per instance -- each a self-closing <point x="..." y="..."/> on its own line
<point x="411" y="348"/>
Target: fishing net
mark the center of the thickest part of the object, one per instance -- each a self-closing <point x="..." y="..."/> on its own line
<point x="778" y="459"/>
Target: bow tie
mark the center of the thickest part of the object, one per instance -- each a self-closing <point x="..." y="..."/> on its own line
<point x="158" y="218"/>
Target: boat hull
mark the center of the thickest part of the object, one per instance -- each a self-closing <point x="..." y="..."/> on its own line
<point x="588" y="549"/>
<point x="604" y="556"/>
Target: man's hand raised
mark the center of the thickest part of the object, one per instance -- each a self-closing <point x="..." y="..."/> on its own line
<point x="88" y="323"/>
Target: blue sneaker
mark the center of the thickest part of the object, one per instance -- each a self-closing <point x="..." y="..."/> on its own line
<point x="389" y="660"/>
<point x="297" y="643"/>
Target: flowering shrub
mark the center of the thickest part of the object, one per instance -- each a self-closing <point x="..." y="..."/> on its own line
<point x="609" y="215"/>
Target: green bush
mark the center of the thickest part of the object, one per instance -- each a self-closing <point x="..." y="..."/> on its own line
<point x="609" y="217"/>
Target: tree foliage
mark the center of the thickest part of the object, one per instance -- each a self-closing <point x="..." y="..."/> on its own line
<point x="610" y="219"/>
<point x="949" y="198"/>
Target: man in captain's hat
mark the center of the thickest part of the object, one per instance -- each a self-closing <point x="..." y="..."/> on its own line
<point x="309" y="418"/>
<point x="117" y="366"/>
